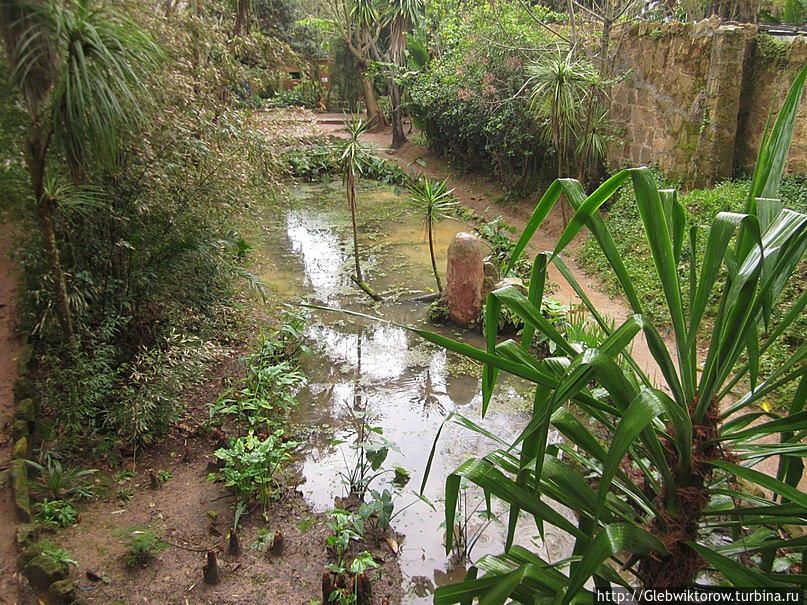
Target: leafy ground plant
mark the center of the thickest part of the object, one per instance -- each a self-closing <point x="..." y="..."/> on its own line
<point x="56" y="513"/>
<point x="143" y="546"/>
<point x="55" y="481"/>
<point x="273" y="378"/>
<point x="252" y="465"/>
<point x="665" y="487"/>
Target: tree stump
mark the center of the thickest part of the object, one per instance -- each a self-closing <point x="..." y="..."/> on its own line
<point x="465" y="276"/>
<point x="210" y="569"/>
<point x="277" y="544"/>
<point x="234" y="546"/>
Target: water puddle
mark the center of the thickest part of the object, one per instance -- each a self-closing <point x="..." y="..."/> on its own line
<point x="406" y="386"/>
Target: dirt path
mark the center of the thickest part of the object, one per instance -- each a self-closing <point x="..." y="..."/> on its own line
<point x="9" y="347"/>
<point x="481" y="196"/>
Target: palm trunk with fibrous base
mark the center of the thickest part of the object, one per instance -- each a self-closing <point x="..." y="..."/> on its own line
<point x="430" y="227"/>
<point x="397" y="41"/>
<point x="18" y="19"/>
<point x="46" y="211"/>
<point x="350" y="192"/>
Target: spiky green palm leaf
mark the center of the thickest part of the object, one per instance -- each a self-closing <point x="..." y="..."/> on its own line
<point x="672" y="457"/>
<point x="96" y="59"/>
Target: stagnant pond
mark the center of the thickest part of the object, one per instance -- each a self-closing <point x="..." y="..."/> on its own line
<point x="406" y="386"/>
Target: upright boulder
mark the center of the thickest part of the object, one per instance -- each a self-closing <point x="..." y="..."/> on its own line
<point x="465" y="278"/>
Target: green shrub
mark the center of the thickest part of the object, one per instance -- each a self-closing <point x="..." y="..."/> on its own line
<point x="56" y="513"/>
<point x="58" y="554"/>
<point x="269" y="389"/>
<point x="254" y="467"/>
<point x="470" y="103"/>
<point x="305" y="94"/>
<point x="55" y="481"/>
<point x="498" y="234"/>
<point x="142" y="547"/>
<point x="156" y="250"/>
<point x="312" y="162"/>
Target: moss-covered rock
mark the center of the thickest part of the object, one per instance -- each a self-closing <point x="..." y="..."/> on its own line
<point x="27" y="534"/>
<point x="20" y="449"/>
<point x="24" y="388"/>
<point x="20" y="429"/>
<point x="42" y="571"/>
<point x="31" y="551"/>
<point x="24" y="359"/>
<point x="26" y="410"/>
<point x="62" y="591"/>
<point x="22" y="492"/>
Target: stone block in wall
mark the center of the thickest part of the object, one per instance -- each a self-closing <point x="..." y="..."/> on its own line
<point x="21" y="488"/>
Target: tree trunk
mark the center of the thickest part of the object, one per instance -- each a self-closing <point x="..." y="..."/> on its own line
<point x="398" y="136"/>
<point x="397" y="41"/>
<point x="375" y="117"/>
<point x="350" y="186"/>
<point x="242" y="18"/>
<point x="46" y="207"/>
<point x="605" y="42"/>
<point x="430" y="227"/>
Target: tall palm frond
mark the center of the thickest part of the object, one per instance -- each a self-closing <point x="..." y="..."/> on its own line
<point x="30" y="50"/>
<point x="104" y="60"/>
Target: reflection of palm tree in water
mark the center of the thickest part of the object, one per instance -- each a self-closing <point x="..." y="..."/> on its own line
<point x="358" y="404"/>
<point x="428" y="397"/>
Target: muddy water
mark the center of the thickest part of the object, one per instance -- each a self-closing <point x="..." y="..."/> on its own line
<point x="406" y="386"/>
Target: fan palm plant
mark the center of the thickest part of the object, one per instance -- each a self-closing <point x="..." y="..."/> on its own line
<point x="354" y="159"/>
<point x="80" y="67"/>
<point x="665" y="486"/>
<point x="435" y="201"/>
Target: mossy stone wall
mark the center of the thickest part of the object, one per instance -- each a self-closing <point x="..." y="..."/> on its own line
<point x="695" y="97"/>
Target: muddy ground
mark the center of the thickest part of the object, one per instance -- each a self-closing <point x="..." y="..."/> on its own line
<point x="9" y="348"/>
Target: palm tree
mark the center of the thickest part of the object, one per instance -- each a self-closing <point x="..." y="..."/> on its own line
<point x="560" y="84"/>
<point x="403" y="15"/>
<point x="80" y="68"/>
<point x="359" y="26"/>
<point x="434" y="200"/>
<point x="355" y="157"/>
<point x="664" y="490"/>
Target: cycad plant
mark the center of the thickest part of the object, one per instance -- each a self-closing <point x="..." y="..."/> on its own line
<point x="659" y="471"/>
<point x="434" y="201"/>
<point x="354" y="160"/>
<point x="81" y="68"/>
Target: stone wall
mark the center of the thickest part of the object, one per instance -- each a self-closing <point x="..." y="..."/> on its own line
<point x="695" y="97"/>
<point x="771" y="66"/>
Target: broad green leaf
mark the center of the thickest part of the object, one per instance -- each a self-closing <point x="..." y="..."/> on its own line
<point x="610" y="541"/>
<point x="734" y="572"/>
<point x="766" y="481"/>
